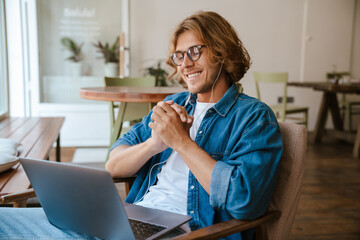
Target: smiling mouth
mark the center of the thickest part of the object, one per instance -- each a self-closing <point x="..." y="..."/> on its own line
<point x="192" y="75"/>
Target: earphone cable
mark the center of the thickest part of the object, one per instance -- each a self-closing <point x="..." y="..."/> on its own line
<point x="211" y="95"/>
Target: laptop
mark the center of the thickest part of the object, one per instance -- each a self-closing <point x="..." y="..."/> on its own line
<point x="85" y="200"/>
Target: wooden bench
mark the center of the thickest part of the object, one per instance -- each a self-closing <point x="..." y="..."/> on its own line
<point x="37" y="136"/>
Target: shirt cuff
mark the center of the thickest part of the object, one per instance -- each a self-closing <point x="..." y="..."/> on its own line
<point x="219" y="184"/>
<point x="119" y="142"/>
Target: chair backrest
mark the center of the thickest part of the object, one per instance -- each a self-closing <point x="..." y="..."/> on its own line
<point x="133" y="111"/>
<point x="239" y="87"/>
<point x="336" y="76"/>
<point x="273" y="77"/>
<point x="287" y="190"/>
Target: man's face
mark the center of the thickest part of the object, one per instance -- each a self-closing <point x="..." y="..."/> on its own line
<point x="201" y="74"/>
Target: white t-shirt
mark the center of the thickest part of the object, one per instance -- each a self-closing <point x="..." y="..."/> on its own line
<point x="170" y="191"/>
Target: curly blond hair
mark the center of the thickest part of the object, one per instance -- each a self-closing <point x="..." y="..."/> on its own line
<point x="220" y="39"/>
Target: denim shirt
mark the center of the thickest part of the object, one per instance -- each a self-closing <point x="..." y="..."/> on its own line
<point x="243" y="136"/>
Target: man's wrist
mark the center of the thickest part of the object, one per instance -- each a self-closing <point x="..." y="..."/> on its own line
<point x="185" y="145"/>
<point x="154" y="147"/>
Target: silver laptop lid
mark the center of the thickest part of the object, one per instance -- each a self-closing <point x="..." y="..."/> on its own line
<point x="78" y="198"/>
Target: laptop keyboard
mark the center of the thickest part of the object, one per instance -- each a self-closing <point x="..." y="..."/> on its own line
<point x="144" y="230"/>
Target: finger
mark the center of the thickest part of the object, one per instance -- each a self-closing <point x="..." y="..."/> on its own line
<point x="182" y="112"/>
<point x="190" y="119"/>
<point x="170" y="102"/>
<point x="177" y="108"/>
<point x="155" y="117"/>
<point x="158" y="104"/>
<point x="152" y="125"/>
<point x="159" y="110"/>
<point x="166" y="107"/>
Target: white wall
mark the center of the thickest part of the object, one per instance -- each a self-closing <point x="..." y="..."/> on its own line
<point x="274" y="32"/>
<point x="274" y="44"/>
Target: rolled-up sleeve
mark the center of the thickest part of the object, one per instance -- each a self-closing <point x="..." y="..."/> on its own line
<point x="141" y="131"/>
<point x="243" y="182"/>
<point x="137" y="134"/>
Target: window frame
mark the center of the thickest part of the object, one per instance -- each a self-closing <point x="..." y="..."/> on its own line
<point x="4" y="76"/>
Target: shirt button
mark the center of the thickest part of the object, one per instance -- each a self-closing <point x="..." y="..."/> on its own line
<point x="192" y="187"/>
<point x="200" y="132"/>
<point x="192" y="212"/>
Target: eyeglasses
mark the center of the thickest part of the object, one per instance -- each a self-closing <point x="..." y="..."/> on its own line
<point x="193" y="54"/>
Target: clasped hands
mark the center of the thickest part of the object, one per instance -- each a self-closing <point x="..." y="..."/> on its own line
<point x="170" y="126"/>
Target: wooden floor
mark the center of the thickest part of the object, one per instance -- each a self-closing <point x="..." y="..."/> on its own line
<point x="329" y="207"/>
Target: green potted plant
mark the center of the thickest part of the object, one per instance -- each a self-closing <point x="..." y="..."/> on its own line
<point x="110" y="53"/>
<point x="76" y="55"/>
<point x="159" y="73"/>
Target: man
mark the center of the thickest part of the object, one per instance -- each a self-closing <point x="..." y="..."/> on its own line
<point x="212" y="153"/>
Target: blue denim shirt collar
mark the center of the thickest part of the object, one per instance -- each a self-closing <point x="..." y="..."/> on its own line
<point x="223" y="106"/>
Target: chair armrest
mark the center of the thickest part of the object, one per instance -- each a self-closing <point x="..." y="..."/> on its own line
<point x="18" y="199"/>
<point x="229" y="227"/>
<point x="125" y="179"/>
<point x="128" y="182"/>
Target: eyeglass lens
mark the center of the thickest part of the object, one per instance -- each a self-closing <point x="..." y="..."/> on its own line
<point x="193" y="54"/>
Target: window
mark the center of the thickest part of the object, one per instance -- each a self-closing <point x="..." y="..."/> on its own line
<point x="66" y="27"/>
<point x="4" y="106"/>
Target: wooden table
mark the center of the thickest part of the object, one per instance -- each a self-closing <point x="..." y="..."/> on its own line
<point x="329" y="102"/>
<point x="36" y="136"/>
<point x="126" y="95"/>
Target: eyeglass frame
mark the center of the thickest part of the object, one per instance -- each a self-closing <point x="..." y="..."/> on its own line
<point x="199" y="47"/>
